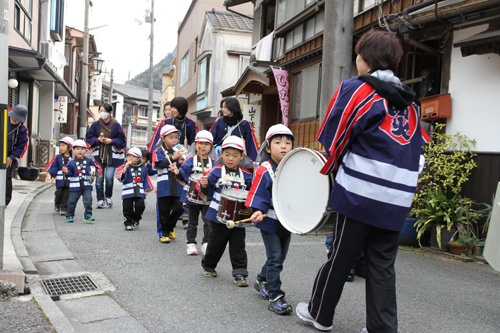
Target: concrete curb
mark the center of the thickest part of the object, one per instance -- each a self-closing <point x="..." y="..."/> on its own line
<point x="55" y="316"/>
<point x="16" y="231"/>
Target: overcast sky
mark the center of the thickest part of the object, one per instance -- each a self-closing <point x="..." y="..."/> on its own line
<point x="124" y="41"/>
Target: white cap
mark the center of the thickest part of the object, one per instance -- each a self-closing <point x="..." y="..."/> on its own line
<point x="67" y="140"/>
<point x="278" y="129"/>
<point x="204" y="136"/>
<point x="167" y="129"/>
<point x="233" y="142"/>
<point x="80" y="143"/>
<point x="135" y="151"/>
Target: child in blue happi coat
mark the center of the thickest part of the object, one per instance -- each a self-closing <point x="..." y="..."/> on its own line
<point x="81" y="172"/>
<point x="193" y="166"/>
<point x="229" y="175"/>
<point x="279" y="142"/>
<point x="134" y="177"/>
<point x="169" y="207"/>
<point x="61" y="180"/>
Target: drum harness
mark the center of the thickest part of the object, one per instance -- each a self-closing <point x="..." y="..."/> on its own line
<point x="227" y="178"/>
<point x="197" y="168"/>
<point x="135" y="171"/>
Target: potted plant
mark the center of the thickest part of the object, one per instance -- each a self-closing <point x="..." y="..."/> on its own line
<point x="448" y="165"/>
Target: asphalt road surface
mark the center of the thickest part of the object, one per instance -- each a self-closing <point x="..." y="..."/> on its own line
<point x="165" y="289"/>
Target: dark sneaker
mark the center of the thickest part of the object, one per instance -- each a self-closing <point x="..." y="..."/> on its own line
<point x="280" y="306"/>
<point x="303" y="313"/>
<point x="62" y="212"/>
<point x="128" y="227"/>
<point x="241" y="280"/>
<point x="350" y="276"/>
<point x="57" y="209"/>
<point x="209" y="272"/>
<point x="70" y="219"/>
<point x="261" y="287"/>
<point x="135" y="224"/>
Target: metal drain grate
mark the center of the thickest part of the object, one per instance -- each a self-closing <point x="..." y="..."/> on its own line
<point x="68" y="285"/>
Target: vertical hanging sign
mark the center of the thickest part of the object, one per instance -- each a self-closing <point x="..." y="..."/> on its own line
<point x="61" y="108"/>
<point x="281" y="77"/>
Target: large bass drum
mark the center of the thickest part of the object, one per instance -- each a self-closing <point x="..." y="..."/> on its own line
<point x="301" y="192"/>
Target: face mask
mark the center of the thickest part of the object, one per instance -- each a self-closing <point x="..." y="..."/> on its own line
<point x="104" y="115"/>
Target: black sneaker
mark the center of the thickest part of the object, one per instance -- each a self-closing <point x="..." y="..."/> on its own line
<point x="209" y="272"/>
<point x="280" y="306"/>
<point x="350" y="276"/>
<point x="135" y="224"/>
<point x="261" y="287"/>
<point x="241" y="280"/>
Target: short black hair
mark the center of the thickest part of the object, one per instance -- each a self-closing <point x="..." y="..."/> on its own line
<point x="181" y="104"/>
<point x="146" y="154"/>
<point x="107" y="107"/>
<point x="233" y="105"/>
<point x="380" y="50"/>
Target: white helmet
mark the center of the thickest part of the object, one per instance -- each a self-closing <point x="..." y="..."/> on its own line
<point x="167" y="129"/>
<point x="80" y="143"/>
<point x="204" y="136"/>
<point x="67" y="140"/>
<point x="233" y="142"/>
<point x="135" y="151"/>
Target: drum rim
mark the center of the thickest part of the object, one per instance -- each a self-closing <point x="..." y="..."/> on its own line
<point x="274" y="188"/>
<point x="228" y="196"/>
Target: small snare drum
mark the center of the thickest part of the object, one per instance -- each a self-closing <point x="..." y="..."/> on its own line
<point x="194" y="195"/>
<point x="232" y="205"/>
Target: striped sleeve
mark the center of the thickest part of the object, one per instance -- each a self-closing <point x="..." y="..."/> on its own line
<point x="259" y="195"/>
<point x="350" y="102"/>
<point x="119" y="172"/>
<point x="49" y="166"/>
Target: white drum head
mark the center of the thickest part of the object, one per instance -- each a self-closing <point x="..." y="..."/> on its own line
<point x="300" y="192"/>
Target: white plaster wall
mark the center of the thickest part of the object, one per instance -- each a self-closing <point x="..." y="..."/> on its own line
<point x="474" y="87"/>
<point x="46" y="116"/>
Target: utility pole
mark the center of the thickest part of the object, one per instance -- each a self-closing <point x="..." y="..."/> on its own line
<point x="4" y="75"/>
<point x="149" y="132"/>
<point x="337" y="49"/>
<point x="82" y="122"/>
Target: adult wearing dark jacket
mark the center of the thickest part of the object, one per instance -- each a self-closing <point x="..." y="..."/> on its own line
<point x="108" y="151"/>
<point x="187" y="127"/>
<point x="17" y="143"/>
<point x="232" y="123"/>
<point x="374" y="137"/>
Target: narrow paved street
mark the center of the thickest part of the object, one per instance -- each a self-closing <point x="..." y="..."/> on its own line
<point x="165" y="290"/>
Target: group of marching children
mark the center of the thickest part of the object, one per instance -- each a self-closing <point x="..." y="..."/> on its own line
<point x="74" y="173"/>
<point x="74" y="176"/>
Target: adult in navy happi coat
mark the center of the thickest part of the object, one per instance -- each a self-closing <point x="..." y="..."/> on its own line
<point x="232" y="123"/>
<point x="17" y="143"/>
<point x="374" y="138"/>
<point x="186" y="126"/>
<point x="108" y="151"/>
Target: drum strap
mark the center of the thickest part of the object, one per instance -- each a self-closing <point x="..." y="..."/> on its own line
<point x="197" y="168"/>
<point x="269" y="168"/>
<point x="226" y="178"/>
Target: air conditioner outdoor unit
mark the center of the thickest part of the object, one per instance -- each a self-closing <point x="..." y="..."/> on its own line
<point x="46" y="49"/>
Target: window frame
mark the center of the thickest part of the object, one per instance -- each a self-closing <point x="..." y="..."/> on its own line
<point x="184" y="75"/>
<point x="26" y="16"/>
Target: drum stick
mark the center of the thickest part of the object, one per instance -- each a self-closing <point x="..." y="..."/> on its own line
<point x="170" y="161"/>
<point x="230" y="224"/>
<point x="200" y="158"/>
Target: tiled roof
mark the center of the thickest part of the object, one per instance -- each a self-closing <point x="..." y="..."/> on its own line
<point x="229" y="21"/>
<point x="133" y="92"/>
